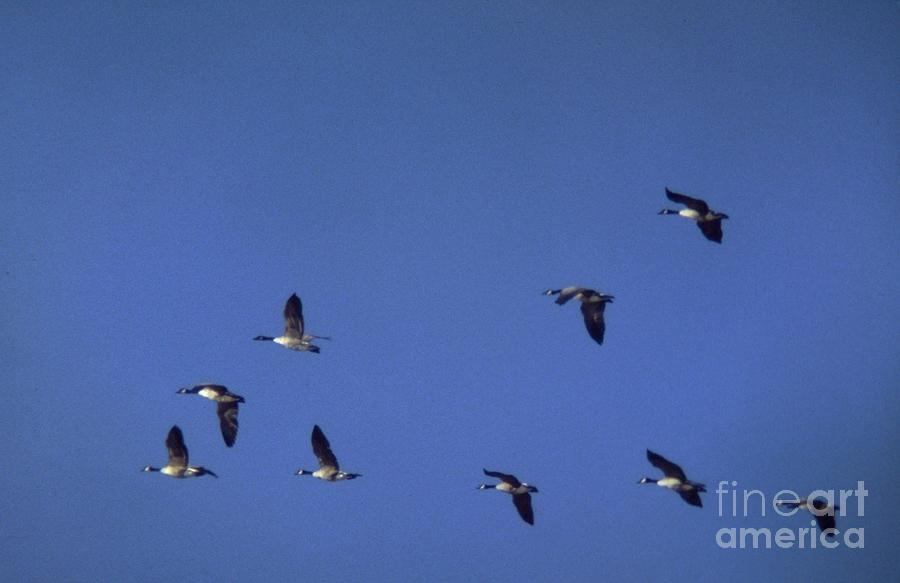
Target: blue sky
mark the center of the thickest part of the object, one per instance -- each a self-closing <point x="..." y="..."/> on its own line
<point x="419" y="173"/>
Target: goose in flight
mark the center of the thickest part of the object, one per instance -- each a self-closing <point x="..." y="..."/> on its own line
<point x="226" y="407"/>
<point x="329" y="469"/>
<point x="294" y="336"/>
<point x="709" y="221"/>
<point x="593" y="303"/>
<point x="820" y="508"/>
<point x="675" y="480"/>
<point x="178" y="467"/>
<point x="521" y="492"/>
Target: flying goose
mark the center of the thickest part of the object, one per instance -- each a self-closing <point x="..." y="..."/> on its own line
<point x="226" y="407"/>
<point x="709" y="221"/>
<point x="329" y="470"/>
<point x="294" y="337"/>
<point x="820" y="508"/>
<point x="178" y="459"/>
<point x="675" y="480"/>
<point x="521" y="492"/>
<point x="592" y="305"/>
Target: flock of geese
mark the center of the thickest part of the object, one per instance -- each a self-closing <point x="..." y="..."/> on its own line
<point x="593" y="304"/>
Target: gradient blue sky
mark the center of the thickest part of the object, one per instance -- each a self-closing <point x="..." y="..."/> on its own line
<point x="419" y="172"/>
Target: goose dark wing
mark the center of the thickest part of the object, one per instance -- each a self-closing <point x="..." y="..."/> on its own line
<point x="228" y="420"/>
<point x="692" y="497"/>
<point x="825" y="522"/>
<point x="523" y="505"/>
<point x="668" y="468"/>
<point x="593" y="319"/>
<point x="712" y="230"/>
<point x="322" y="449"/>
<point x="293" y="318"/>
<point x="508" y="478"/>
<point x="178" y="452"/>
<point x="692" y="203"/>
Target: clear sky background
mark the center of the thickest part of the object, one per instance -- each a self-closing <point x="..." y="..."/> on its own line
<point x="419" y="172"/>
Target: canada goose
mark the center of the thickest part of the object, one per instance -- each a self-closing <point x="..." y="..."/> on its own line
<point x="521" y="492"/>
<point x="329" y="470"/>
<point x="293" y="337"/>
<point x="592" y="305"/>
<point x="709" y="221"/>
<point x="226" y="407"/>
<point x="825" y="519"/>
<point x="178" y="459"/>
<point x="675" y="480"/>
